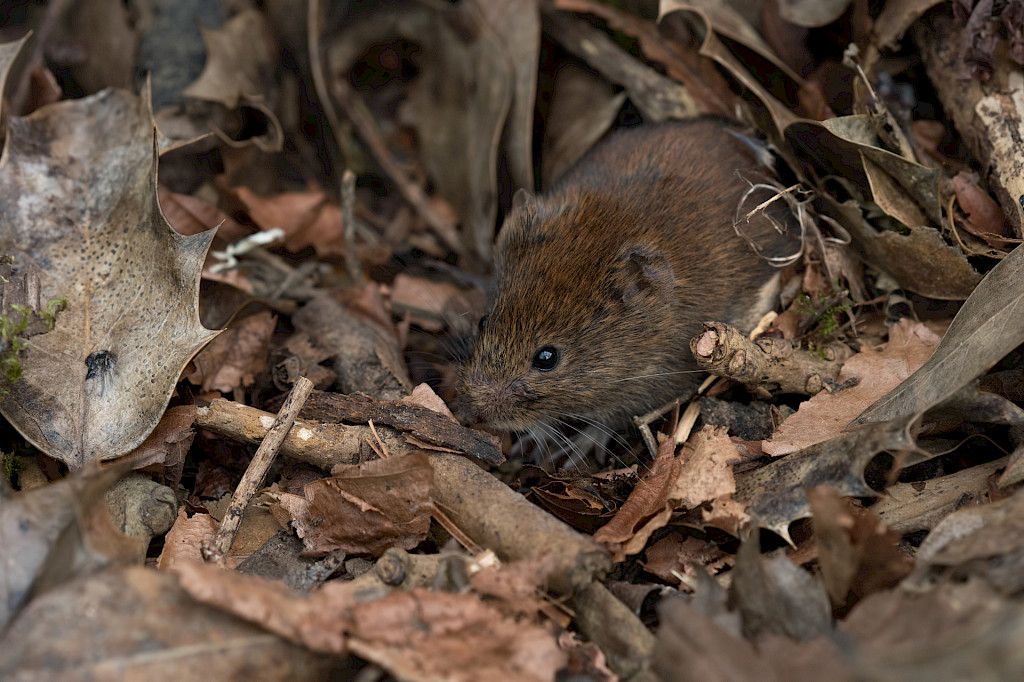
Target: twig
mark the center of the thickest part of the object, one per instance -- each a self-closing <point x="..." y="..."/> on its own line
<point x="216" y="549"/>
<point x="767" y="364"/>
<point x="348" y="220"/>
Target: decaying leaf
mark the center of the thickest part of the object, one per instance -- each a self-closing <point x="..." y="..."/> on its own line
<point x="705" y="471"/>
<point x="307" y="219"/>
<point x="9" y="56"/>
<point x="137" y="623"/>
<point x="812" y="13"/>
<point x="423" y="635"/>
<point x="775" y="493"/>
<point x="234" y="359"/>
<point x="985" y="541"/>
<point x="95" y="386"/>
<point x="825" y="415"/>
<point x="773" y="595"/>
<point x="988" y="326"/>
<point x="365" y="508"/>
<point x="239" y="62"/>
<point x="857" y="553"/>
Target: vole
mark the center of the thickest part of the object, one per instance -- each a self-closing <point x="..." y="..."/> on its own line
<point x="601" y="282"/>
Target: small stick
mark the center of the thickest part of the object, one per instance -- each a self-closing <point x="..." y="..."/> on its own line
<point x="348" y="221"/>
<point x="215" y="550"/>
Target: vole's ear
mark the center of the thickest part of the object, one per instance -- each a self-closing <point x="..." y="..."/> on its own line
<point x="643" y="273"/>
<point x="522" y="218"/>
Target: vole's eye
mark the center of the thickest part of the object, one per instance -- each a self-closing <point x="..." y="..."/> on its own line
<point x="546" y="359"/>
<point x="481" y="323"/>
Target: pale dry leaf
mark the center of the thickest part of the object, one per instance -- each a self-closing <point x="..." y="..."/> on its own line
<point x="812" y="13"/>
<point x="95" y="386"/>
<point x="102" y="30"/>
<point x="705" y="472"/>
<point x="987" y="327"/>
<point x="825" y="415"/>
<point x="240" y="58"/>
<point x="10" y="53"/>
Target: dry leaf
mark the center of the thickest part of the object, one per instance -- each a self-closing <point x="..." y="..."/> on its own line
<point x="857" y="553"/>
<point x="236" y="357"/>
<point x="240" y="58"/>
<point x="825" y="415"/>
<point x="365" y="508"/>
<point x="673" y="556"/>
<point x="705" y="472"/>
<point x="184" y="541"/>
<point x="988" y="326"/>
<point x="136" y="623"/>
<point x="812" y="13"/>
<point x="95" y="386"/>
<point x="169" y="442"/>
<point x="423" y="636"/>
<point x="103" y="31"/>
<point x="307" y="219"/>
<point x="985" y="218"/>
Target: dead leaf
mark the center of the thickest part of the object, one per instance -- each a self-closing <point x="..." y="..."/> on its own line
<point x="583" y="107"/>
<point x="423" y="635"/>
<point x="307" y="219"/>
<point x="137" y="623"/>
<point x="235" y="358"/>
<point x="705" y="473"/>
<point x="41" y="530"/>
<point x="775" y="494"/>
<point x="184" y="541"/>
<point x="240" y="58"/>
<point x="674" y="556"/>
<point x="427" y="301"/>
<point x="190" y="215"/>
<point x="169" y="442"/>
<point x="10" y="54"/>
<point x="985" y="218"/>
<point x="317" y="620"/>
<point x="773" y="595"/>
<point x="825" y="415"/>
<point x="365" y="508"/>
<point x="985" y="541"/>
<point x="646" y="509"/>
<point x="101" y="29"/>
<point x="95" y="386"/>
<point x="988" y="326"/>
<point x="812" y="13"/>
<point x="857" y="553"/>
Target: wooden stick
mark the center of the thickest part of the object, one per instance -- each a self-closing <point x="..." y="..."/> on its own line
<point x="216" y="549"/>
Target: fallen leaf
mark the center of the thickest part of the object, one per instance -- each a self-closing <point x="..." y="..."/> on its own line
<point x="857" y="553"/>
<point x="235" y="358"/>
<point x="95" y="386"/>
<point x="705" y="473"/>
<point x="102" y="31"/>
<point x="826" y="414"/>
<point x="775" y="494"/>
<point x="39" y="531"/>
<point x="365" y="508"/>
<point x="987" y="327"/>
<point x="673" y="556"/>
<point x="645" y="510"/>
<point x="184" y="542"/>
<point x="307" y="219"/>
<point x="985" y="218"/>
<point x="422" y="635"/>
<point x="427" y="301"/>
<point x="812" y="13"/>
<point x="773" y="595"/>
<point x="583" y="107"/>
<point x="10" y="54"/>
<point x="169" y="442"/>
<point x="137" y="623"/>
<point x="240" y="58"/>
<point x="190" y="215"/>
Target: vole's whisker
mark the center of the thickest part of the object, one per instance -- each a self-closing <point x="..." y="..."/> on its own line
<point x="661" y="374"/>
<point x="608" y="431"/>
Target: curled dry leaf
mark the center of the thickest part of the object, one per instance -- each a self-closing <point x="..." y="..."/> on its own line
<point x="825" y="415"/>
<point x="423" y="635"/>
<point x="775" y="494"/>
<point x="986" y="541"/>
<point x="95" y="386"/>
<point x="184" y="541"/>
<point x="987" y="327"/>
<point x="857" y="553"/>
<point x="984" y="217"/>
<point x="812" y="13"/>
<point x="705" y="470"/>
<point x="9" y="55"/>
<point x="240" y="58"/>
<point x="307" y="219"/>
<point x="673" y="556"/>
<point x="365" y="508"/>
<point x="234" y="359"/>
<point x="137" y="623"/>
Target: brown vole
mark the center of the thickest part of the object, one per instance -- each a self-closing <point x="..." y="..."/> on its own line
<point x="602" y="281"/>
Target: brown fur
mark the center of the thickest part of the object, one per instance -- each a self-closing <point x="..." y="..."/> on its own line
<point x="617" y="266"/>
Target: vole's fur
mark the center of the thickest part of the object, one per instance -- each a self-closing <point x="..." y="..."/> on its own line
<point x="617" y="267"/>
